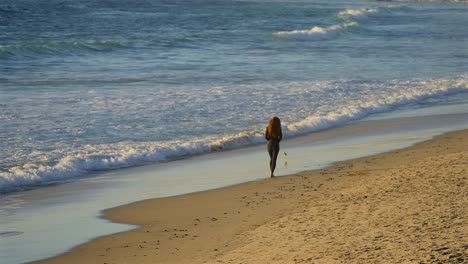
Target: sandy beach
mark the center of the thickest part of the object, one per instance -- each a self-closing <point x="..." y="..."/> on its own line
<point x="134" y="131"/>
<point x="405" y="206"/>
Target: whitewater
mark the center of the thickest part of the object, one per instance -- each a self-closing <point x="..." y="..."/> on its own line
<point x="354" y="101"/>
<point x="104" y="103"/>
<point x="164" y="81"/>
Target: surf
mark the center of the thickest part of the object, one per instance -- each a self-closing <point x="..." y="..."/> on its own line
<point x="354" y="100"/>
<point x="350" y="18"/>
<point x="317" y="33"/>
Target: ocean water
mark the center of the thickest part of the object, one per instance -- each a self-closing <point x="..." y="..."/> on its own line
<point x="90" y="85"/>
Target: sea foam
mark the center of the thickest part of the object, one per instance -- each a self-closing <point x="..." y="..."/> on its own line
<point x="415" y="92"/>
<point x="358" y="14"/>
<point x="316" y="33"/>
<point x="332" y="103"/>
<point x="351" y="19"/>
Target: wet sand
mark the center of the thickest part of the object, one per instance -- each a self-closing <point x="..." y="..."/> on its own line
<point x="402" y="206"/>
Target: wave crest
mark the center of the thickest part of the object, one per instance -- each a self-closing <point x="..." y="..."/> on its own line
<point x="113" y="156"/>
<point x="79" y="161"/>
<point x="54" y="48"/>
<point x="358" y="14"/>
<point x="316" y="33"/>
<point x="350" y="17"/>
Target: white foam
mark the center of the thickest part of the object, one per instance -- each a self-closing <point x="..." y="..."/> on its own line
<point x="351" y="18"/>
<point x="336" y="103"/>
<point x="316" y="33"/>
<point x="404" y="94"/>
<point x="358" y="14"/>
<point x="79" y="162"/>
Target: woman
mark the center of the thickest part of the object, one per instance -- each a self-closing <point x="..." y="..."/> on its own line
<point x="274" y="135"/>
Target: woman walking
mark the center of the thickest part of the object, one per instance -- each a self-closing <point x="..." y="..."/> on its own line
<point x="273" y="135"/>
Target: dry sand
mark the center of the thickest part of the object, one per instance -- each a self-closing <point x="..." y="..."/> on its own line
<point x="406" y="206"/>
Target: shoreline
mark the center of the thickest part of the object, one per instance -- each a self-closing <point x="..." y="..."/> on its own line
<point x="222" y="224"/>
<point x="69" y="214"/>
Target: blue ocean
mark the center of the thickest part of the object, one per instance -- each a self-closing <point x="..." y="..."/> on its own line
<point x="91" y="85"/>
<point x="92" y="90"/>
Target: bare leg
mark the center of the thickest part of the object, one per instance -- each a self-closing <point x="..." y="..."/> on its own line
<point x="271" y="153"/>
<point x="273" y="163"/>
<point x="273" y="150"/>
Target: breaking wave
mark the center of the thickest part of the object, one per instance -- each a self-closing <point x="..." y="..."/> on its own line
<point x="316" y="33"/>
<point x="358" y="14"/>
<point x="358" y="102"/>
<point x="350" y="17"/>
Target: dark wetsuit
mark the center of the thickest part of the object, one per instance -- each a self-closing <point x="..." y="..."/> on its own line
<point x="273" y="148"/>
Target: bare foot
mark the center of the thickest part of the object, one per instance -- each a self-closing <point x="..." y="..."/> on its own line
<point x="271" y="175"/>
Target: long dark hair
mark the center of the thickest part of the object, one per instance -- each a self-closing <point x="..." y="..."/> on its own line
<point x="274" y="127"/>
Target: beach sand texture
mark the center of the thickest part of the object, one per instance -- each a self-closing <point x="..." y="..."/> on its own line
<point x="405" y="206"/>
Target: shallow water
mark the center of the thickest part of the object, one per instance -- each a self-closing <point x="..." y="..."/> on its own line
<point x="96" y="85"/>
<point x="47" y="221"/>
<point x="90" y="90"/>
